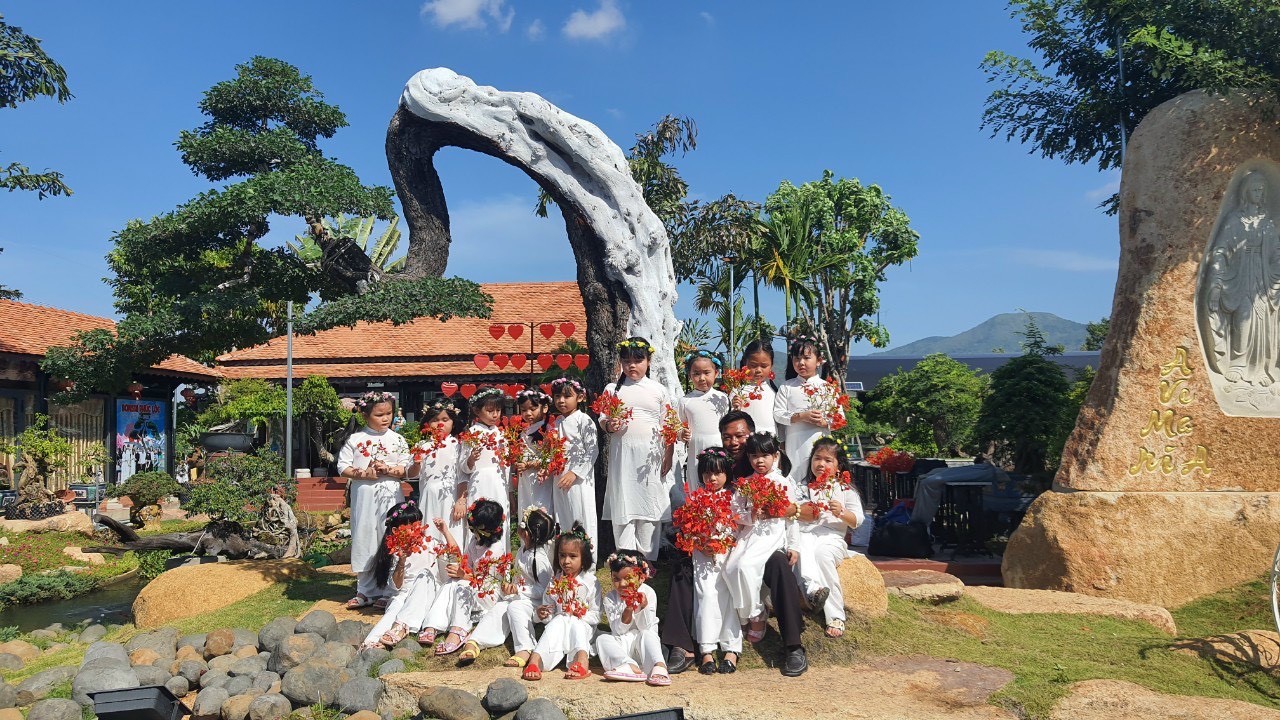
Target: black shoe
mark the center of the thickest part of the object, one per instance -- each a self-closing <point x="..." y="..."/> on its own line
<point x="678" y="661"/>
<point x="707" y="668"/>
<point x="726" y="667"/>
<point x="795" y="662"/>
<point x="818" y="598"/>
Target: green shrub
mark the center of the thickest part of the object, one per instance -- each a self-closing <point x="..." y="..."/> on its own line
<point x="146" y="488"/>
<point x="30" y="589"/>
<point x="233" y="486"/>
<point x="151" y="562"/>
<point x="9" y="632"/>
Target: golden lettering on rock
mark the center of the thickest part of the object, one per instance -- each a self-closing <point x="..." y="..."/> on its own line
<point x="1167" y="424"/>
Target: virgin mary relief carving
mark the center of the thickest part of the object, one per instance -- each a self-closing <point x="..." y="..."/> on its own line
<point x="1238" y="301"/>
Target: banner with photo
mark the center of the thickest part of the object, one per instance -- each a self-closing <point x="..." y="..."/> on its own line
<point x="142" y="442"/>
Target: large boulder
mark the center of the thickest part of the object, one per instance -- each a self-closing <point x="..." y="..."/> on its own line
<point x="1018" y="601"/>
<point x="359" y="693"/>
<point x="168" y="597"/>
<point x="68" y="522"/>
<point x="97" y="679"/>
<point x="1119" y="700"/>
<point x="311" y="683"/>
<point x="863" y="586"/>
<point x="38" y="686"/>
<point x="294" y="651"/>
<point x="274" y="632"/>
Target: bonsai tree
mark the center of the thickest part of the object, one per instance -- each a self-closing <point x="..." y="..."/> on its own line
<point x="145" y="490"/>
<point x="40" y="451"/>
<point x="234" y="486"/>
<point x="95" y="458"/>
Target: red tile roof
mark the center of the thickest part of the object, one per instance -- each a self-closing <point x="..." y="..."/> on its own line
<point x="28" y="329"/>
<point x="425" y="347"/>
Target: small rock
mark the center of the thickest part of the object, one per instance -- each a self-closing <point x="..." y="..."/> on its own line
<point x="214" y="678"/>
<point x="195" y="641"/>
<point x="208" y="704"/>
<point x="245" y="651"/>
<point x="335" y="653"/>
<point x="362" y="715"/>
<point x="9" y="661"/>
<point x="294" y="651"/>
<point x="351" y="632"/>
<point x="219" y="642"/>
<point x="99" y="679"/>
<point x="9" y="572"/>
<point x="410" y="643"/>
<point x="271" y="634"/>
<point x="237" y="707"/>
<point x="8" y="696"/>
<point x="265" y="679"/>
<point x="375" y="655"/>
<point x="151" y="675"/>
<point x="103" y="650"/>
<point x="55" y="709"/>
<point x="92" y="634"/>
<point x="244" y="637"/>
<point x="271" y="706"/>
<point x="178" y="685"/>
<point x="143" y="656"/>
<point x="404" y="653"/>
<point x="360" y="693"/>
<point x="504" y="695"/>
<point x="21" y="648"/>
<point x="311" y="683"/>
<point x="540" y="709"/>
<point x="189" y="669"/>
<point x="54" y="627"/>
<point x="187" y="652"/>
<point x="391" y="666"/>
<point x="13" y="713"/>
<point x="55" y="647"/>
<point x="37" y="686"/>
<point x="926" y="585"/>
<point x="237" y="685"/>
<point x="247" y="666"/>
<point x="223" y="662"/>
<point x="43" y="634"/>
<point x="163" y="641"/>
<point x="320" y="622"/>
<point x="451" y="704"/>
<point x="76" y="553"/>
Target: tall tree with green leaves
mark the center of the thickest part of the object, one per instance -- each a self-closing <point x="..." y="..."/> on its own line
<point x="1071" y="102"/>
<point x="933" y="406"/>
<point x="27" y="73"/>
<point x="198" y="281"/>
<point x="1096" y="334"/>
<point x="360" y="230"/>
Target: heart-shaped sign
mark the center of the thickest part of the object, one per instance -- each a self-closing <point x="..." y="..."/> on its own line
<point x="546" y="388"/>
<point x="582" y="361"/>
<point x="481" y="361"/>
<point x="567" y="328"/>
<point x="518" y="361"/>
<point x="515" y="389"/>
<point x="515" y="331"/>
<point x="506" y="389"/>
<point x="448" y="388"/>
<point x="467" y="390"/>
<point x="501" y="360"/>
<point x="564" y="361"/>
<point x="545" y="361"/>
<point x="547" y="330"/>
<point x="497" y="330"/>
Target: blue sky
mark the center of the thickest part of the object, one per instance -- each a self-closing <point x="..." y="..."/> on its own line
<point x="889" y="93"/>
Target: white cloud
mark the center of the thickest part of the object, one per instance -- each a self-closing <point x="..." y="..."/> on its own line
<point x="708" y="18"/>
<point x="535" y="31"/>
<point x="469" y="14"/>
<point x="1067" y="260"/>
<point x="615" y="113"/>
<point x="1103" y="192"/>
<point x="597" y="25"/>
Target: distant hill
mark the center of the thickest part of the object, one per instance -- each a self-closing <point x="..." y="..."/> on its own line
<point x="1000" y="331"/>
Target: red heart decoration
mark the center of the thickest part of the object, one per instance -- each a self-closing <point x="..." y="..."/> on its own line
<point x="546" y="388"/>
<point x="481" y="361"/>
<point x="496" y="331"/>
<point x="547" y="330"/>
<point x="448" y="388"/>
<point x="582" y="361"/>
<point x="564" y="361"/>
<point x="567" y="328"/>
<point x="501" y="359"/>
<point x="468" y="390"/>
<point x="506" y="389"/>
<point x="515" y="388"/>
<point x="518" y="360"/>
<point x="515" y="331"/>
<point x="545" y="361"/>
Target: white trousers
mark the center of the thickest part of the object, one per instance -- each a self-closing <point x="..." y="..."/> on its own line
<point x="641" y="648"/>
<point x="367" y="586"/>
<point x="521" y="614"/>
<point x="820" y="558"/>
<point x="744" y="572"/>
<point x="715" y="620"/>
<point x="453" y="607"/>
<point x="577" y="503"/>
<point x="640" y="535"/>
<point x="565" y="636"/>
<point x="409" y="606"/>
<point x="491" y="629"/>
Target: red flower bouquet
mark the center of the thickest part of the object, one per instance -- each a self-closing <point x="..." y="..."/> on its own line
<point x="425" y="449"/>
<point x="610" y="407"/>
<point x="629" y="589"/>
<point x="513" y="443"/>
<point x="672" y="425"/>
<point x="494" y="571"/>
<point x="825" y="486"/>
<point x="551" y="454"/>
<point x="739" y="383"/>
<point x="768" y="499"/>
<point x="706" y="522"/>
<point x="831" y="401"/>
<point x="406" y="540"/>
<point x="482" y="439"/>
<point x="891" y="461"/>
<point x="564" y="589"/>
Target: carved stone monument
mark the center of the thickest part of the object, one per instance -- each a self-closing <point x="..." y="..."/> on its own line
<point x="1170" y="484"/>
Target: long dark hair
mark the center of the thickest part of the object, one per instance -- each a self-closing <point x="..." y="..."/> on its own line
<point x="577" y="534"/>
<point x="542" y="400"/>
<point x="405" y="513"/>
<point x="842" y="459"/>
<point x="764" y="443"/>
<point x="797" y="347"/>
<point x="485" y="519"/>
<point x="761" y="345"/>
<point x="542" y="529"/>
<point x="626" y="352"/>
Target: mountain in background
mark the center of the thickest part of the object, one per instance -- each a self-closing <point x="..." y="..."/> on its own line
<point x="1001" y="331"/>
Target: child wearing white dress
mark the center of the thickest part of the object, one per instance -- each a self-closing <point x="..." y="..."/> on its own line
<point x="459" y="601"/>
<point x="757" y="360"/>
<point x="793" y="407"/>
<point x="537" y="531"/>
<point x="374" y="460"/>
<point x="636" y="497"/>
<point x="440" y="494"/>
<point x="826" y="515"/>
<point x="531" y="487"/>
<point x="413" y="577"/>
<point x="631" y="650"/>
<point x="700" y="410"/>
<point x="759" y="536"/>
<point x="574" y="494"/>
<point x="481" y="465"/>
<point x="571" y="609"/>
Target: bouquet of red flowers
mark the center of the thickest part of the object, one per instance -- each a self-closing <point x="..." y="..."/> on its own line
<point x="706" y="522"/>
<point x="629" y="588"/>
<point x="672" y="425"/>
<point x="482" y="439"/>
<point x="513" y="440"/>
<point x="739" y="382"/>
<point x="823" y="487"/>
<point x="494" y="571"/>
<point x="551" y="454"/>
<point x="891" y="461"/>
<point x="610" y="407"/>
<point x="424" y="449"/>
<point x="564" y="589"/>
<point x="405" y="540"/>
<point x="831" y="401"/>
<point x="768" y="498"/>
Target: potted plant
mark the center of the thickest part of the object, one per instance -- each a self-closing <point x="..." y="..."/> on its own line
<point x="146" y="490"/>
<point x="40" y="451"/>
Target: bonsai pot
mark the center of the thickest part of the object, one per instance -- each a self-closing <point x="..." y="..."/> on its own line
<point x="223" y="441"/>
<point x="150" y="702"/>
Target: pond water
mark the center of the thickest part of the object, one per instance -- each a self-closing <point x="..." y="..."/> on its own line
<point x="112" y="604"/>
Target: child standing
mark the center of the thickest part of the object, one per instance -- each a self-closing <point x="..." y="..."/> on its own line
<point x="480" y="461"/>
<point x="631" y="651"/>
<point x="757" y="360"/>
<point x="832" y="507"/>
<point x="763" y="530"/>
<point x="574" y="497"/>
<point x="531" y="487"/>
<point x="537" y="530"/>
<point x="571" y="609"/>
<point x="440" y="494"/>
<point x="374" y="459"/>
<point x="459" y="600"/>
<point x="636" y="498"/>
<point x="793" y="407"/>
<point x="413" y="576"/>
<point x="701" y="409"/>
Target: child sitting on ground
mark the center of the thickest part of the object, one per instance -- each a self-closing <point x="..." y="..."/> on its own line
<point x="631" y="651"/>
<point x="571" y="609"/>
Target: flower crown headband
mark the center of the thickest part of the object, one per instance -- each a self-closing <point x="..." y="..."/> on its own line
<point x="715" y="359"/>
<point x="399" y="510"/>
<point x="803" y="339"/>
<point x="561" y="381"/>
<point x="578" y="533"/>
<point x="485" y="394"/>
<point x="630" y="561"/>
<point x="536" y="396"/>
<point x="373" y="397"/>
<point x="636" y="345"/>
<point x="479" y="531"/>
<point x="713" y="452"/>
<point x="443" y="405"/>
<point x="528" y="513"/>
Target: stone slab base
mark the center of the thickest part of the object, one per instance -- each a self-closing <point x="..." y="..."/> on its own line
<point x="1165" y="549"/>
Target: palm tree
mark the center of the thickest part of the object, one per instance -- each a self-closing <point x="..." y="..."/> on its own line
<point x="359" y="229"/>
